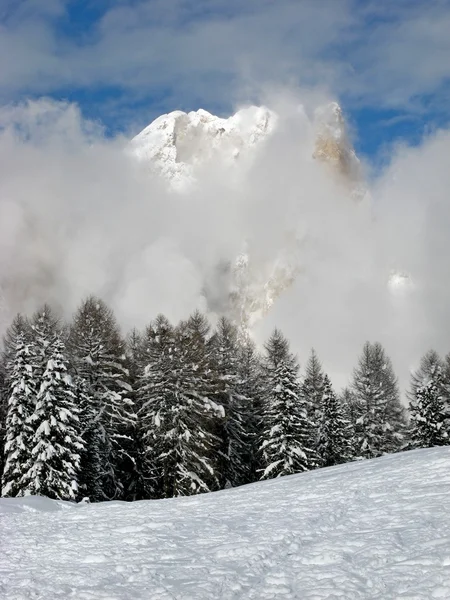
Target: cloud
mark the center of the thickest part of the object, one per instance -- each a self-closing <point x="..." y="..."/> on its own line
<point x="215" y="53"/>
<point x="79" y="216"/>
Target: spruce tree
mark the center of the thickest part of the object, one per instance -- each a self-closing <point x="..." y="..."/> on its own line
<point x="180" y="411"/>
<point x="52" y="469"/>
<point x="250" y="389"/>
<point x="285" y="443"/>
<point x="313" y="385"/>
<point x="19" y="429"/>
<point x="136" y="483"/>
<point x="429" y="363"/>
<point x="380" y="426"/>
<point x="157" y="392"/>
<point x="234" y="428"/>
<point x="19" y="326"/>
<point x="92" y="434"/>
<point x="97" y="353"/>
<point x="429" y="426"/>
<point x="333" y="443"/>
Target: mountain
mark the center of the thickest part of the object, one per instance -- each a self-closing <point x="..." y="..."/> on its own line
<point x="373" y="530"/>
<point x="176" y="143"/>
<point x="181" y="147"/>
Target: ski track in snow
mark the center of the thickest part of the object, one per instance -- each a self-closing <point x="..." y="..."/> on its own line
<point x="378" y="529"/>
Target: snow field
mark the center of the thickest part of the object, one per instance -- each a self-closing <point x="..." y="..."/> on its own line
<point x="377" y="530"/>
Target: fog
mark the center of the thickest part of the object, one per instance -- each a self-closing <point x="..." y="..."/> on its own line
<point x="79" y="215"/>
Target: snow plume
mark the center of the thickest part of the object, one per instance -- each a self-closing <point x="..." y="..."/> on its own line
<point x="79" y="215"/>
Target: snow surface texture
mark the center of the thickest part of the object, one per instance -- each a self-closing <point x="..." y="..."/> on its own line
<point x="376" y="530"/>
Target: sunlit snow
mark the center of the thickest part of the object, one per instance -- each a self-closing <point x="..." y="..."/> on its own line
<point x="376" y="530"/>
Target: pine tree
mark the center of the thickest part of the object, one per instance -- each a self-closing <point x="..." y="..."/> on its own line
<point x="157" y="391"/>
<point x="97" y="353"/>
<point x="381" y="423"/>
<point x="137" y="483"/>
<point x="53" y="466"/>
<point x="429" y="363"/>
<point x="92" y="434"/>
<point x="333" y="444"/>
<point x="313" y="385"/>
<point x="287" y="431"/>
<point x="19" y="430"/>
<point x="429" y="425"/>
<point x="250" y="389"/>
<point x="234" y="430"/>
<point x="181" y="412"/>
<point x="44" y="330"/>
<point x="19" y="326"/>
<point x="351" y="413"/>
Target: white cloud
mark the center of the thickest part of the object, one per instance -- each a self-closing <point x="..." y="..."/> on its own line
<point x="381" y="54"/>
<point x="78" y="217"/>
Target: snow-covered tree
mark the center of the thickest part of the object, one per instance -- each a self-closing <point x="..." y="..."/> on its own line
<point x="92" y="434"/>
<point x="137" y="483"/>
<point x="19" y="325"/>
<point x="429" y="426"/>
<point x="333" y="437"/>
<point x="52" y="467"/>
<point x="380" y="426"/>
<point x="97" y="353"/>
<point x="235" y="427"/>
<point x="429" y="363"/>
<point x="250" y="388"/>
<point x="19" y="430"/>
<point x="156" y="399"/>
<point x="287" y="431"/>
<point x="313" y="385"/>
<point x="181" y="412"/>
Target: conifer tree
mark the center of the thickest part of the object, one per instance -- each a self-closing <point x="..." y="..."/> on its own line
<point x="333" y="444"/>
<point x="136" y="481"/>
<point x="250" y="388"/>
<point x="182" y="409"/>
<point x="91" y="432"/>
<point x="429" y="426"/>
<point x="19" y="326"/>
<point x="313" y="385"/>
<point x="381" y="423"/>
<point x="53" y="466"/>
<point x="97" y="353"/>
<point x="19" y="430"/>
<point x="285" y="444"/>
<point x="429" y="363"/>
<point x="234" y="430"/>
<point x="43" y="331"/>
<point x="157" y="393"/>
<point x="351" y="413"/>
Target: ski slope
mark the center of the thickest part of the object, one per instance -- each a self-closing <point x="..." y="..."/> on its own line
<point x="378" y="529"/>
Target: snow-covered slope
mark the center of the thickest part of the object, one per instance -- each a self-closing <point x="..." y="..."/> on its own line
<point x="377" y="530"/>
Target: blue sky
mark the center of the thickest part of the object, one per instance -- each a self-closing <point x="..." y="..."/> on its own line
<point x="126" y="61"/>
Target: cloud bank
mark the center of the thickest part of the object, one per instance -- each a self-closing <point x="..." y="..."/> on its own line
<point x="78" y="215"/>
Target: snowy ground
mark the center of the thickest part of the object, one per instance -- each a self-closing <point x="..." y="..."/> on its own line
<point x="378" y="529"/>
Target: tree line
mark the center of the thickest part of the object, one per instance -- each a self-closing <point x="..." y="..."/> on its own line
<point x="184" y="409"/>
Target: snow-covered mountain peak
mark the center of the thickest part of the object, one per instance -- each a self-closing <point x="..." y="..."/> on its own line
<point x="176" y="143"/>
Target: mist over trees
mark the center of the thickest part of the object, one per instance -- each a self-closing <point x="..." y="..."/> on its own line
<point x="182" y="409"/>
